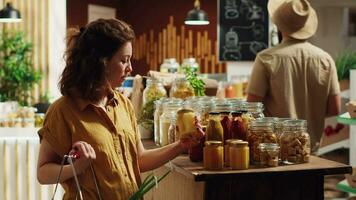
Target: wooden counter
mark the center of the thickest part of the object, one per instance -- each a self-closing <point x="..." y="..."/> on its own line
<point x="302" y="181"/>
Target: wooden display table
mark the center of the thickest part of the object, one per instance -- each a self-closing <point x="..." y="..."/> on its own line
<point x="302" y="181"/>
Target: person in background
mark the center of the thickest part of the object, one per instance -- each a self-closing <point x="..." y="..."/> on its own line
<point x="296" y="79"/>
<point x="97" y="121"/>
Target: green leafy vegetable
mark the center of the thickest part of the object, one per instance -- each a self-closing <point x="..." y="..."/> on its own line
<point x="197" y="84"/>
<point x="147" y="185"/>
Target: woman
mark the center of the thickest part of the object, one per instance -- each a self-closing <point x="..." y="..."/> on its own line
<point x="97" y="121"/>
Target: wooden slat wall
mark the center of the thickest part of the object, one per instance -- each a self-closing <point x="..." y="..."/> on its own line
<point x="179" y="43"/>
<point x="35" y="25"/>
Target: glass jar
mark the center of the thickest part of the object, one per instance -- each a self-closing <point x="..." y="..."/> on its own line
<point x="222" y="106"/>
<point x="237" y="129"/>
<point x="278" y="126"/>
<point x="39" y="119"/>
<point x="181" y="89"/>
<point x="196" y="152"/>
<point x="28" y="122"/>
<point x="269" y="153"/>
<point x="154" y="90"/>
<point x="186" y="123"/>
<point x="295" y="142"/>
<point x="169" y="65"/>
<point x="213" y="157"/>
<point x="169" y="113"/>
<point x="226" y="124"/>
<point x="189" y="63"/>
<point x="172" y="133"/>
<point x="255" y="109"/>
<point x="260" y="132"/>
<point x="239" y="154"/>
<point x="227" y="151"/>
<point x="214" y="130"/>
<point x="204" y="106"/>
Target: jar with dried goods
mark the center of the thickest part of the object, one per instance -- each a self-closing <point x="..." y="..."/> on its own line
<point x="295" y="142"/>
<point x="260" y="132"/>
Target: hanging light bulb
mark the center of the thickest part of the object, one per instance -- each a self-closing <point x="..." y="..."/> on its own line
<point x="196" y="16"/>
<point x="10" y="14"/>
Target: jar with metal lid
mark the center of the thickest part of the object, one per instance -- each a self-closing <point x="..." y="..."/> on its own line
<point x="169" y="65"/>
<point x="227" y="151"/>
<point x="189" y="63"/>
<point x="239" y="154"/>
<point x="181" y="89"/>
<point x="255" y="109"/>
<point x="213" y="157"/>
<point x="169" y="113"/>
<point x="214" y="130"/>
<point x="260" y="132"/>
<point x="269" y="153"/>
<point x="154" y="90"/>
<point x="295" y="141"/>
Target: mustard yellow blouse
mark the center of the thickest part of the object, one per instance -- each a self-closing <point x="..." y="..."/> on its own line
<point x="113" y="135"/>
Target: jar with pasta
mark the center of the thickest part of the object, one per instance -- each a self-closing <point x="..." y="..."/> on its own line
<point x="154" y="90"/>
<point x="181" y="89"/>
<point x="295" y="142"/>
<point x="260" y="132"/>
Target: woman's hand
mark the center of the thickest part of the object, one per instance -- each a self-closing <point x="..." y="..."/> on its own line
<point x="194" y="139"/>
<point x="86" y="154"/>
<point x="351" y="180"/>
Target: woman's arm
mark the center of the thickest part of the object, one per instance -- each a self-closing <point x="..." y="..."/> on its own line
<point x="151" y="159"/>
<point x="49" y="163"/>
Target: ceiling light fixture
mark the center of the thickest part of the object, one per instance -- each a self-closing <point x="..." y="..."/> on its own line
<point x="10" y="14"/>
<point x="197" y="16"/>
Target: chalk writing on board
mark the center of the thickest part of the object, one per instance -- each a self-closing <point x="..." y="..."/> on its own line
<point x="243" y="29"/>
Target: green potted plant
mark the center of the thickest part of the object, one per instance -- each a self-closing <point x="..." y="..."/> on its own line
<point x="344" y="62"/>
<point x="17" y="75"/>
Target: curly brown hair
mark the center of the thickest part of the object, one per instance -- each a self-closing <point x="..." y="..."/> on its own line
<point x="87" y="50"/>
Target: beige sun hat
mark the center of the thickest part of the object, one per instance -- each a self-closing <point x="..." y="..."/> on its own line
<point x="296" y="18"/>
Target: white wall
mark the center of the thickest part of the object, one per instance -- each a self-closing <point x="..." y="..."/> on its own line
<point x="238" y="68"/>
<point x="57" y="32"/>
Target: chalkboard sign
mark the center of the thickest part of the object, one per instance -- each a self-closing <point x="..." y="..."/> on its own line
<point x="242" y="29"/>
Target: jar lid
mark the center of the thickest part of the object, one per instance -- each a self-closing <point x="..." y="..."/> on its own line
<point x="225" y="113"/>
<point x="295" y="123"/>
<point x="213" y="143"/>
<point x="214" y="113"/>
<point x="231" y="140"/>
<point x="238" y="143"/>
<point x="185" y="110"/>
<point x="268" y="146"/>
<point x="236" y="113"/>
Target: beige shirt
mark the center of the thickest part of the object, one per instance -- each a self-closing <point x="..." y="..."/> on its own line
<point x="112" y="134"/>
<point x="295" y="78"/>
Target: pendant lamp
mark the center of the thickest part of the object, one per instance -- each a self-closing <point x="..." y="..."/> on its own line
<point x="10" y="14"/>
<point x="196" y="16"/>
